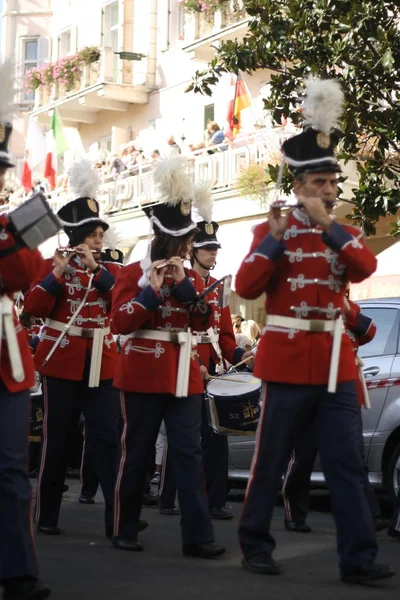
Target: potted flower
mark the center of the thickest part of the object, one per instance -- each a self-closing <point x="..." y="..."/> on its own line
<point x="33" y="79"/>
<point x="89" y="55"/>
<point x="254" y="182"/>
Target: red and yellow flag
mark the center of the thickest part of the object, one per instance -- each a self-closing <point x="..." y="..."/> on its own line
<point x="240" y="101"/>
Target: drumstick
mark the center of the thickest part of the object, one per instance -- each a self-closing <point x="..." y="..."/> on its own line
<point x="243" y="361"/>
<point x="219" y="377"/>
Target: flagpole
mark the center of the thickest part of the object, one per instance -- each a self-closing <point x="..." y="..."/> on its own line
<point x="254" y="110"/>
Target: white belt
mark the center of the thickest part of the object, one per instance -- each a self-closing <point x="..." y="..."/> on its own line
<point x="10" y="334"/>
<point x="316" y="326"/>
<point x="360" y="363"/>
<point x="97" y="335"/>
<point x="185" y="341"/>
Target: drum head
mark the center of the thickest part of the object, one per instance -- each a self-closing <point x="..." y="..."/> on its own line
<point x="234" y="384"/>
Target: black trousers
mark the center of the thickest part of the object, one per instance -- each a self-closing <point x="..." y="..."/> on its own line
<point x="215" y="464"/>
<point x="17" y="550"/>
<point x="296" y="484"/>
<point x="142" y="415"/>
<point x="63" y="402"/>
<point x="89" y="478"/>
<point x="286" y="415"/>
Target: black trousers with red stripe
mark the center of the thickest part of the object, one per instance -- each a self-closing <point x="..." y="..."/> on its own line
<point x="215" y="463"/>
<point x="287" y="412"/>
<point x="17" y="550"/>
<point x="142" y="415"/>
<point x="63" y="402"/>
<point x="296" y="484"/>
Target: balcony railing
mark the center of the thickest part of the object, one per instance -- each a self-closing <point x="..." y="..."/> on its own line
<point x="204" y="24"/>
<point x="110" y="69"/>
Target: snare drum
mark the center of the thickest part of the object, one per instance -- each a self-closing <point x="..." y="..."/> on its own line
<point x="233" y="403"/>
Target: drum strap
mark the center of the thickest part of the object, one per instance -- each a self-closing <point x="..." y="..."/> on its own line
<point x="7" y="324"/>
<point x="316" y="326"/>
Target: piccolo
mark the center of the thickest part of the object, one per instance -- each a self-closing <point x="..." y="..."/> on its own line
<point x="72" y="250"/>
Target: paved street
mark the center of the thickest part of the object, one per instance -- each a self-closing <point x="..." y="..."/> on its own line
<point x="82" y="565"/>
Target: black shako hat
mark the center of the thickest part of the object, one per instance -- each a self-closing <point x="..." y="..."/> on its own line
<point x="81" y="216"/>
<point x="312" y="151"/>
<point x="5" y="156"/>
<point x="112" y="255"/>
<point x="206" y="235"/>
<point x="175" y="220"/>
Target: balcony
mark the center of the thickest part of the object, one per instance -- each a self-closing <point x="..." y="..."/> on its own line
<point x="109" y="84"/>
<point x="205" y="31"/>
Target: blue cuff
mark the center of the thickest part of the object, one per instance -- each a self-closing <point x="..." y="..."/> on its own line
<point x="363" y="325"/>
<point x="51" y="285"/>
<point x="237" y="355"/>
<point x="337" y="238"/>
<point x="148" y="298"/>
<point x="271" y="248"/>
<point x="34" y="342"/>
<point x="185" y="291"/>
<point x="104" y="281"/>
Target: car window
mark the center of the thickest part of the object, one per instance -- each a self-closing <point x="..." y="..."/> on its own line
<point x="387" y="326"/>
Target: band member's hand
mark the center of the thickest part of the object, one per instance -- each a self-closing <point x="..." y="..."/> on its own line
<point x="277" y="222"/>
<point x="86" y="256"/>
<point x="177" y="269"/>
<point x="204" y="373"/>
<point x="250" y="355"/>
<point x="157" y="275"/>
<point x="60" y="262"/>
<point x="317" y="212"/>
<point x="346" y="304"/>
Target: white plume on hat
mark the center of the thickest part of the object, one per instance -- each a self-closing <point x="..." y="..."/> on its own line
<point x="173" y="180"/>
<point x="323" y="104"/>
<point x="84" y="181"/>
<point x="8" y="91"/>
<point x="112" y="239"/>
<point x="202" y="198"/>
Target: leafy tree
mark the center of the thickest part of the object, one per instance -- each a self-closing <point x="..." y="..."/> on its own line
<point x="357" y="42"/>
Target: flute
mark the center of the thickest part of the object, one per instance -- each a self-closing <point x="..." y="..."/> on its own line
<point x="166" y="264"/>
<point x="66" y="251"/>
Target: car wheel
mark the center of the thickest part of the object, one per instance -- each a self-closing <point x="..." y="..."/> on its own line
<point x="393" y="475"/>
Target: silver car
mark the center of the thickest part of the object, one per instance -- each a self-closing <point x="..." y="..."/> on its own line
<point x="381" y="424"/>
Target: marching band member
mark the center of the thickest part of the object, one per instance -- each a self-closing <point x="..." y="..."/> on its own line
<point x="156" y="304"/>
<point x="302" y="262"/>
<point x="215" y="346"/>
<point x="77" y="353"/>
<point x="296" y="485"/>
<point x="18" y="267"/>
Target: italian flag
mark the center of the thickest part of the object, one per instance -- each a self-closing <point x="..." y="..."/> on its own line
<point x="56" y="145"/>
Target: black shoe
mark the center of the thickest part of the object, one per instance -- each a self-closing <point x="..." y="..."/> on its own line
<point x="86" y="499"/>
<point x="208" y="550"/>
<point x="25" y="590"/>
<point x="380" y="523"/>
<point x="223" y="514"/>
<point x="262" y="563"/>
<point x="65" y="488"/>
<point x="166" y="509"/>
<point x="130" y="545"/>
<point x="393" y="533"/>
<point x="149" y="499"/>
<point x="49" y="530"/>
<point x="367" y="574"/>
<point x="297" y="527"/>
<point x="141" y="527"/>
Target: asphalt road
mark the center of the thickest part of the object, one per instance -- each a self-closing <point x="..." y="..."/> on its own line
<point x="82" y="564"/>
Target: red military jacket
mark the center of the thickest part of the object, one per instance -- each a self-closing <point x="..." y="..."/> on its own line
<point x="221" y="323"/>
<point x="58" y="298"/>
<point x="361" y="330"/>
<point x="303" y="276"/>
<point x="17" y="271"/>
<point x="150" y="366"/>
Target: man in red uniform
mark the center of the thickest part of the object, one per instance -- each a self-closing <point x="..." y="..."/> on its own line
<point x="214" y="346"/>
<point x="156" y="304"/>
<point x="76" y="357"/>
<point x="302" y="262"/>
<point x="18" y="267"/>
<point x="296" y="485"/>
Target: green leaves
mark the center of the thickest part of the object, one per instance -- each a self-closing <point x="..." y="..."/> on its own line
<point x="357" y="42"/>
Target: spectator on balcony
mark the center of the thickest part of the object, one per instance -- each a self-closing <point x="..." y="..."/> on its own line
<point x="117" y="166"/>
<point x="124" y="153"/>
<point x="173" y="148"/>
<point x="216" y="137"/>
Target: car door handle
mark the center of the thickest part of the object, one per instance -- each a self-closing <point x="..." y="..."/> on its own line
<point x="371" y="371"/>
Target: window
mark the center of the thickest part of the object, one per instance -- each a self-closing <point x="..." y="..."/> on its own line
<point x="387" y="325"/>
<point x="64" y="44"/>
<point x="208" y="114"/>
<point x="181" y="22"/>
<point x="111" y="31"/>
<point x="30" y="61"/>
